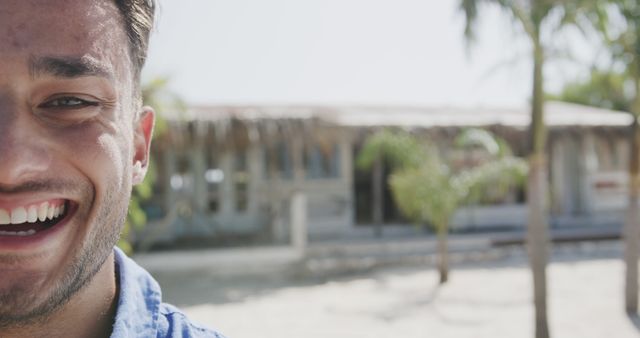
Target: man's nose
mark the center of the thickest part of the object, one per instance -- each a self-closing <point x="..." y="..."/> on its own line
<point x="23" y="155"/>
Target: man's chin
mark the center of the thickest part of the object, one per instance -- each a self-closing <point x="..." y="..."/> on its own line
<point x="49" y="272"/>
<point x="30" y="296"/>
<point x="23" y="301"/>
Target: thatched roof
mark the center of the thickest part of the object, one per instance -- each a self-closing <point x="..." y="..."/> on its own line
<point x="558" y="114"/>
<point x="235" y="127"/>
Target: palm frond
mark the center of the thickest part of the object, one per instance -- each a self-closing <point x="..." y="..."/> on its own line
<point x="424" y="196"/>
<point x="492" y="178"/>
<point x="470" y="10"/>
<point x="399" y="148"/>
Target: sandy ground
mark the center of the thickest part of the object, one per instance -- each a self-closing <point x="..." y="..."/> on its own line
<point x="488" y="300"/>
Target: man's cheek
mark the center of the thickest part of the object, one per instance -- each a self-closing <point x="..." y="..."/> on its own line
<point x="98" y="154"/>
<point x="112" y="157"/>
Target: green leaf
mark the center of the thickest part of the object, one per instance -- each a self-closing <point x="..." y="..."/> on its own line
<point x="399" y="148"/>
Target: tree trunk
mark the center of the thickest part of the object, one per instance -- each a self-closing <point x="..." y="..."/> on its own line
<point x="443" y="253"/>
<point x="377" y="179"/>
<point x="632" y="219"/>
<point x="538" y="229"/>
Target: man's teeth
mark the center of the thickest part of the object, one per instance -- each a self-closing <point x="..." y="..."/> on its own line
<point x="17" y="233"/>
<point x="30" y="214"/>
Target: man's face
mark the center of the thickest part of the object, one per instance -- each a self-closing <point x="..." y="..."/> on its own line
<point x="68" y="144"/>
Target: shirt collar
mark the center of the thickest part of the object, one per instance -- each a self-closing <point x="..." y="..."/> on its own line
<point x="139" y="300"/>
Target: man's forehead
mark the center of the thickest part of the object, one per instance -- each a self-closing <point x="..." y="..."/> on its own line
<point x="65" y="28"/>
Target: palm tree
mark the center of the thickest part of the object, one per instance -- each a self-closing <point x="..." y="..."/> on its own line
<point x="605" y="89"/>
<point x="624" y="45"/>
<point x="532" y="16"/>
<point x="609" y="89"/>
<point x="428" y="189"/>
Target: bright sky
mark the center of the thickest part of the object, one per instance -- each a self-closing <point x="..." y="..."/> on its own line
<point x="408" y="52"/>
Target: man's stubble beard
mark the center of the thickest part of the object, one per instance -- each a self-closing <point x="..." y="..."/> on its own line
<point x="18" y="306"/>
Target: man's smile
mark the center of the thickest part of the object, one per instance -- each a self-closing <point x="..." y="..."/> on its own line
<point x="31" y="218"/>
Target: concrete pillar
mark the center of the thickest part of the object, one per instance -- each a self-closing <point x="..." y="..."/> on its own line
<point x="227" y="197"/>
<point x="589" y="166"/>
<point x="558" y="180"/>
<point x="346" y="174"/>
<point x="299" y="221"/>
<point x="198" y="167"/>
<point x="255" y="169"/>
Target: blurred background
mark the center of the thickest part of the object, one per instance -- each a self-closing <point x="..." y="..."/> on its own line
<point x="362" y="168"/>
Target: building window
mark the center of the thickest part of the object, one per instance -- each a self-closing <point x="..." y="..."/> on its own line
<point x="182" y="180"/>
<point x="277" y="161"/>
<point x="622" y="151"/>
<point x="606" y="155"/>
<point x="321" y="161"/>
<point x="241" y="181"/>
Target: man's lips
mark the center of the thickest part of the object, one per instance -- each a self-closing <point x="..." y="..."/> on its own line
<point x="28" y="219"/>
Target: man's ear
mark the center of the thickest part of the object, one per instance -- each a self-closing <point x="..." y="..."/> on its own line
<point x="143" y="130"/>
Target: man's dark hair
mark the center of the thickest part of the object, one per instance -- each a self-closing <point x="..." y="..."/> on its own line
<point x="138" y="17"/>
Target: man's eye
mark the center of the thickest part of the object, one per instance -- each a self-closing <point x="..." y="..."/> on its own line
<point x="68" y="102"/>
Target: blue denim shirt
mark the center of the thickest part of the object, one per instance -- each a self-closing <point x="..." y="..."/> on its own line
<point x="141" y="312"/>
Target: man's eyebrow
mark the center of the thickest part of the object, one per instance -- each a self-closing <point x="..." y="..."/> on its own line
<point x="68" y="67"/>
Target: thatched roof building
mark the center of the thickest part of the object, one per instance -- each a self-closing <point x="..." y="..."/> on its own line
<point x="237" y="166"/>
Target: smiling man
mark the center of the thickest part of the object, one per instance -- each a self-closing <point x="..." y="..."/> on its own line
<point x="74" y="138"/>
